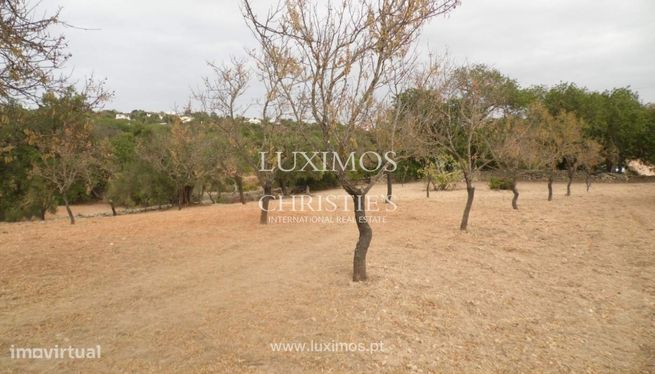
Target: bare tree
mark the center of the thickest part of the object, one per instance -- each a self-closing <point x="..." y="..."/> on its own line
<point x="341" y="52"/>
<point x="455" y="111"/>
<point x="222" y="93"/>
<point x="251" y="147"/>
<point x="30" y="54"/>
<point x="513" y="146"/>
<point x="589" y="157"/>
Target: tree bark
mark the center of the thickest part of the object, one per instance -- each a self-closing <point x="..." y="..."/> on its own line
<point x="239" y="181"/>
<point x="68" y="209"/>
<point x="113" y="208"/>
<point x="515" y="191"/>
<point x="470" y="194"/>
<point x="427" y="189"/>
<point x="42" y="214"/>
<point x="550" y="188"/>
<point x="389" y="188"/>
<point x="188" y="195"/>
<point x="268" y="189"/>
<point x="364" y="241"/>
<point x="568" y="185"/>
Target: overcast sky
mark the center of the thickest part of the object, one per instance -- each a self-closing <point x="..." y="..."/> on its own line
<point x="153" y="52"/>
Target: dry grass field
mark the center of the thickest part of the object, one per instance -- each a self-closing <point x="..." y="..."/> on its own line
<point x="560" y="287"/>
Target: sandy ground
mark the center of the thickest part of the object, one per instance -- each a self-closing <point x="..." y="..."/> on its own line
<point x="560" y="287"/>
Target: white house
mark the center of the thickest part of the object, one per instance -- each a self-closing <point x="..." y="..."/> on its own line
<point x="123" y="116"/>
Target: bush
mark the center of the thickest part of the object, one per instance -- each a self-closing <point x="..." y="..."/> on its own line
<point x="447" y="180"/>
<point x="443" y="173"/>
<point x="500" y="184"/>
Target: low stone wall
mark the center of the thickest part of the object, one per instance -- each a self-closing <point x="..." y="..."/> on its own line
<point x="561" y="176"/>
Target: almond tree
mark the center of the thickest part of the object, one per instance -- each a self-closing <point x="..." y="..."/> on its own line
<point x="249" y="147"/>
<point x="513" y="146"/>
<point x="222" y="93"/>
<point x="64" y="142"/>
<point x="558" y="138"/>
<point x="589" y="157"/>
<point x="455" y="112"/>
<point x="341" y="52"/>
<point x="30" y="54"/>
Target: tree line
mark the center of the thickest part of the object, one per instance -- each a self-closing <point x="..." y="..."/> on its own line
<point x="342" y="80"/>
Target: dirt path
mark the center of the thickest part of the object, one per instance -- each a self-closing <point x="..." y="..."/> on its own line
<point x="567" y="286"/>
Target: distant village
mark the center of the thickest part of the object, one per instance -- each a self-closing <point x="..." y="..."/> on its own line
<point x="162" y="118"/>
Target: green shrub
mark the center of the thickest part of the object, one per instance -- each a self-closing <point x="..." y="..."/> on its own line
<point x="444" y="174"/>
<point x="500" y="184"/>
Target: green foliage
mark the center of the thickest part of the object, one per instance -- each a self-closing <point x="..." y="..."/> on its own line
<point x="444" y="173"/>
<point x="500" y="183"/>
<point x="140" y="185"/>
<point x="616" y="119"/>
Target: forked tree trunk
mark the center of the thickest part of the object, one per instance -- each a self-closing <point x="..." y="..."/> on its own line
<point x="268" y="189"/>
<point x="389" y="188"/>
<point x="364" y="241"/>
<point x="239" y="182"/>
<point x="550" y="188"/>
<point x="515" y="191"/>
<point x="68" y="209"/>
<point x="470" y="194"/>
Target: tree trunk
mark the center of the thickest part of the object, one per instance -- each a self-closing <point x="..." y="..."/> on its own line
<point x="188" y="195"/>
<point x="364" y="241"/>
<point x="268" y="189"/>
<point x="389" y="188"/>
<point x="113" y="208"/>
<point x="588" y="181"/>
<point x="42" y="214"/>
<point x="239" y="181"/>
<point x="515" y="191"/>
<point x="470" y="192"/>
<point x="568" y="185"/>
<point x="283" y="186"/>
<point x="180" y="198"/>
<point x="211" y="198"/>
<point x="427" y="189"/>
<point x="550" y="188"/>
<point x="68" y="209"/>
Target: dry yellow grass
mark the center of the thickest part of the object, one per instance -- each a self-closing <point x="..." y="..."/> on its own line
<point x="566" y="286"/>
